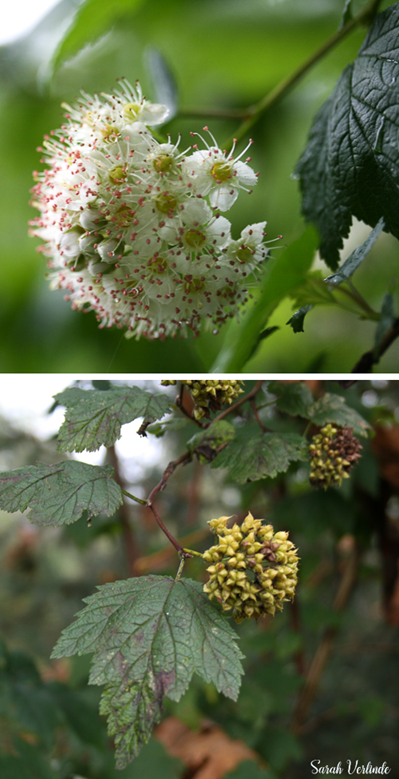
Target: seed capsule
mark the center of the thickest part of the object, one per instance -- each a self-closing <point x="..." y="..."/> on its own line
<point x="255" y="567"/>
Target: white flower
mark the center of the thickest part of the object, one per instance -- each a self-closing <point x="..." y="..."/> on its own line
<point x="103" y="118"/>
<point x="250" y="249"/>
<point x="214" y="172"/>
<point x="129" y="225"/>
<point x="197" y="236"/>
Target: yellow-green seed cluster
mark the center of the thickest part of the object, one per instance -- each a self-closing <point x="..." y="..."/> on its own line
<point x="333" y="452"/>
<point x="210" y="395"/>
<point x="253" y="569"/>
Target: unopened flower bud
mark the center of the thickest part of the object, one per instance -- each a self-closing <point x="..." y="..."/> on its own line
<point x="337" y="456"/>
<point x="258" y="581"/>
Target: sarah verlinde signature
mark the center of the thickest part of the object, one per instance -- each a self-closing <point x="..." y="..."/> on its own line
<point x="353" y="767"/>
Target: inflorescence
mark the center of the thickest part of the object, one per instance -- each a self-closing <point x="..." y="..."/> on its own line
<point x="132" y="227"/>
<point x="333" y="453"/>
<point x="253" y="569"/>
<point x="210" y="395"/>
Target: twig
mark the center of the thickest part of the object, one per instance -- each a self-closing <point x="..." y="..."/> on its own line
<point x="273" y="97"/>
<point x="257" y="417"/>
<point x="239" y="403"/>
<point x="124" y="515"/>
<point x="368" y="359"/>
<point x="170" y="468"/>
<point x="162" y="557"/>
<point x="184" y="458"/>
<point x="323" y="650"/>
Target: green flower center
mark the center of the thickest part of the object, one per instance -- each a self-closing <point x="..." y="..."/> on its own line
<point x="195" y="238"/>
<point x="221" y="171"/>
<point x="193" y="286"/>
<point x="157" y="265"/>
<point x="163" y="163"/>
<point x="122" y="217"/>
<point x="244" y="254"/>
<point x="131" y="110"/>
<point x="109" y="133"/>
<point x="117" y="174"/>
<point x="165" y="202"/>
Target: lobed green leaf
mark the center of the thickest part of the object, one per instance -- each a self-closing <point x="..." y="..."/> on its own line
<point x="94" y="417"/>
<point x="255" y="455"/>
<point x="350" y="166"/>
<point x="333" y="408"/>
<point x="219" y="432"/>
<point x="298" y="318"/>
<point x="149" y="635"/>
<point x="293" y="398"/>
<point x="59" y="494"/>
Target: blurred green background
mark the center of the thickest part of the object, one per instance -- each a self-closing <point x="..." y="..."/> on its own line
<point x="223" y="54"/>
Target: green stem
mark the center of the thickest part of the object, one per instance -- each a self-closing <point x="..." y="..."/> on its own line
<point x="307" y="429"/>
<point x="133" y="497"/>
<point x="357" y="298"/>
<point x="193" y="552"/>
<point x="180" y="568"/>
<point x="275" y="95"/>
<point x="362" y="302"/>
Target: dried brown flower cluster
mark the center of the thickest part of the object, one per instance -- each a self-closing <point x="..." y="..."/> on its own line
<point x="210" y="396"/>
<point x="334" y="451"/>
<point x="253" y="569"/>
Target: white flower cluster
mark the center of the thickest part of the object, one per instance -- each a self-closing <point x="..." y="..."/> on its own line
<point x="131" y="226"/>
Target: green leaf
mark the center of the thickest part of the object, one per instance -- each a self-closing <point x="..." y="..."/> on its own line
<point x="59" y="494"/>
<point x="91" y="20"/>
<point x="332" y="408"/>
<point x="219" y="432"/>
<point x="297" y="319"/>
<point x="283" y="273"/>
<point x="350" y="166"/>
<point x="313" y="291"/>
<point x="292" y="398"/>
<point x="148" y="636"/>
<point x="254" y="456"/>
<point x="386" y="321"/>
<point x="94" y="418"/>
<point x="165" y="87"/>
<point x="346" y="14"/>
<point x="168" y="426"/>
<point x="355" y="259"/>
